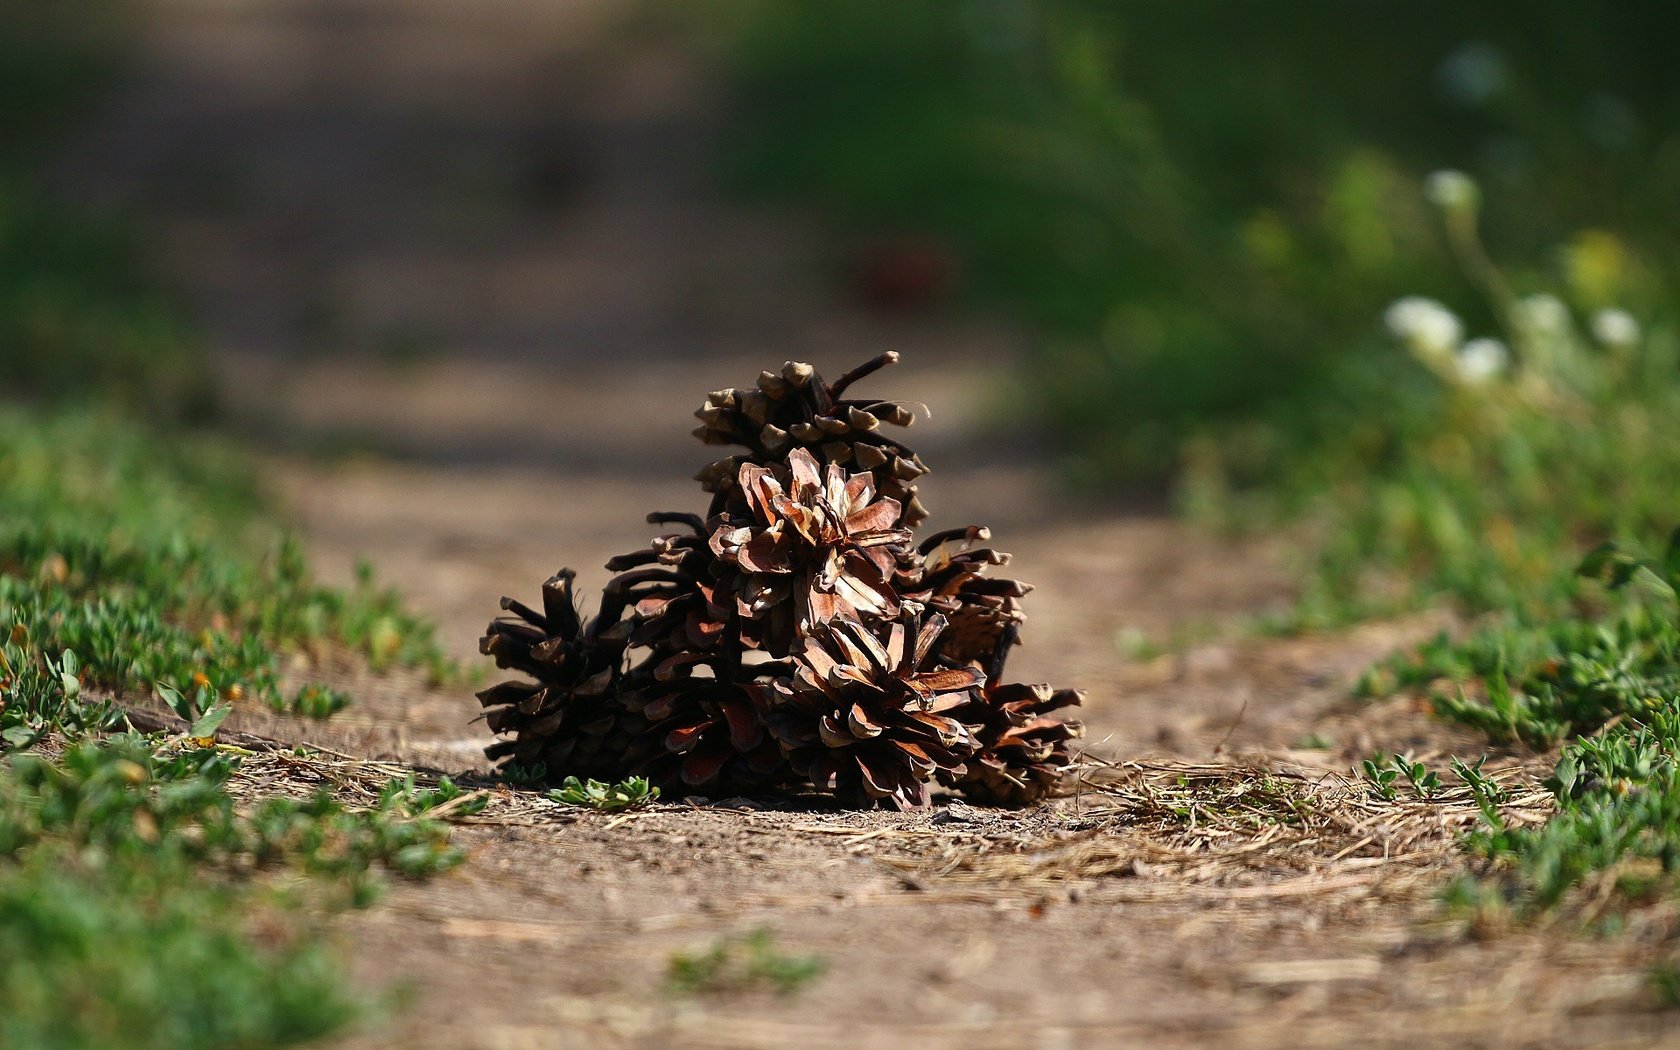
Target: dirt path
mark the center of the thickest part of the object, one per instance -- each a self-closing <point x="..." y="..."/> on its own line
<point x="460" y="265"/>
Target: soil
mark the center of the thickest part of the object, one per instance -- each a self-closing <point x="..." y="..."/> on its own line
<point x="465" y="271"/>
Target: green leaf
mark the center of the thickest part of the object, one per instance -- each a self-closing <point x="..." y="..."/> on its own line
<point x="177" y="703"/>
<point x="1671" y="561"/>
<point x="210" y="721"/>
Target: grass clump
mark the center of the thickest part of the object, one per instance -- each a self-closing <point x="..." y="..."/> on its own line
<point x="1540" y="684"/>
<point x="138" y="904"/>
<point x="150" y="898"/>
<point x="742" y="963"/>
<point x="118" y="959"/>
<point x="148" y="555"/>
<point x="1618" y="816"/>
<point x="1605" y="685"/>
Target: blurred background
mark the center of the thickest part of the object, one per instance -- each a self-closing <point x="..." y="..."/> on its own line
<point x="1140" y="256"/>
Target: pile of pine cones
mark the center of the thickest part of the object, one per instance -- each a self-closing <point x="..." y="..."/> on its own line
<point x="797" y="637"/>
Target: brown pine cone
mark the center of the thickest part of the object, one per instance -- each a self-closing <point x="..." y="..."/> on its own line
<point x="947" y="574"/>
<point x="567" y="719"/>
<point x="807" y="547"/>
<point x="867" y="713"/>
<point x="704" y="733"/>
<point x="1023" y="751"/>
<point x="666" y="591"/>
<point x="797" y="409"/>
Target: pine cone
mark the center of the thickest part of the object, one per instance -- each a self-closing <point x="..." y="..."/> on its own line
<point x="806" y="549"/>
<point x="667" y="589"/>
<point x="704" y="732"/>
<point x="868" y="718"/>
<point x="948" y="576"/>
<point x="1023" y="752"/>
<point x="797" y="409"/>
<point x="568" y="719"/>
<point x="874" y="688"/>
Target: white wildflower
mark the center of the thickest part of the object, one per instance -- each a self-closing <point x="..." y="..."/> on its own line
<point x="1545" y="313"/>
<point x="1615" y="328"/>
<point x="1452" y="191"/>
<point x="1425" y="325"/>
<point x="1482" y="359"/>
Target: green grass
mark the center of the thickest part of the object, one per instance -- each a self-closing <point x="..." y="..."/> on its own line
<point x="149" y="553"/>
<point x="155" y="892"/>
<point x="1479" y="479"/>
<point x="742" y="963"/>
<point x="1604" y="683"/>
<point x="143" y="905"/>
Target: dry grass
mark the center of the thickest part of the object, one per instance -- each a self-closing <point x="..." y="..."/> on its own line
<point x="1230" y="831"/>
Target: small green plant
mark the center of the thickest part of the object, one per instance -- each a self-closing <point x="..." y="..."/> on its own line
<point x="742" y="963"/>
<point x="447" y="797"/>
<point x="1488" y="794"/>
<point x="39" y="695"/>
<point x="1384" y="771"/>
<point x="1382" y="778"/>
<point x="318" y="702"/>
<point x="524" y="776"/>
<point x="608" y="798"/>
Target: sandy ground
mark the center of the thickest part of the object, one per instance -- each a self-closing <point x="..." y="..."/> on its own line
<point x="463" y="272"/>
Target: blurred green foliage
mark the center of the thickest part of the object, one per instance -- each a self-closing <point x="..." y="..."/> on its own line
<point x="1202" y="209"/>
<point x="56" y="61"/>
<point x="1544" y="432"/>
<point x="83" y="318"/>
<point x="82" y="315"/>
<point x="1204" y="205"/>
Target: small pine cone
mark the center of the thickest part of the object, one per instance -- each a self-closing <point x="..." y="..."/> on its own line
<point x="1023" y="750"/>
<point x="703" y="733"/>
<point x="567" y="718"/>
<point x="947" y="575"/>
<point x="798" y="409"/>
<point x="804" y="548"/>
<point x="868" y="718"/>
